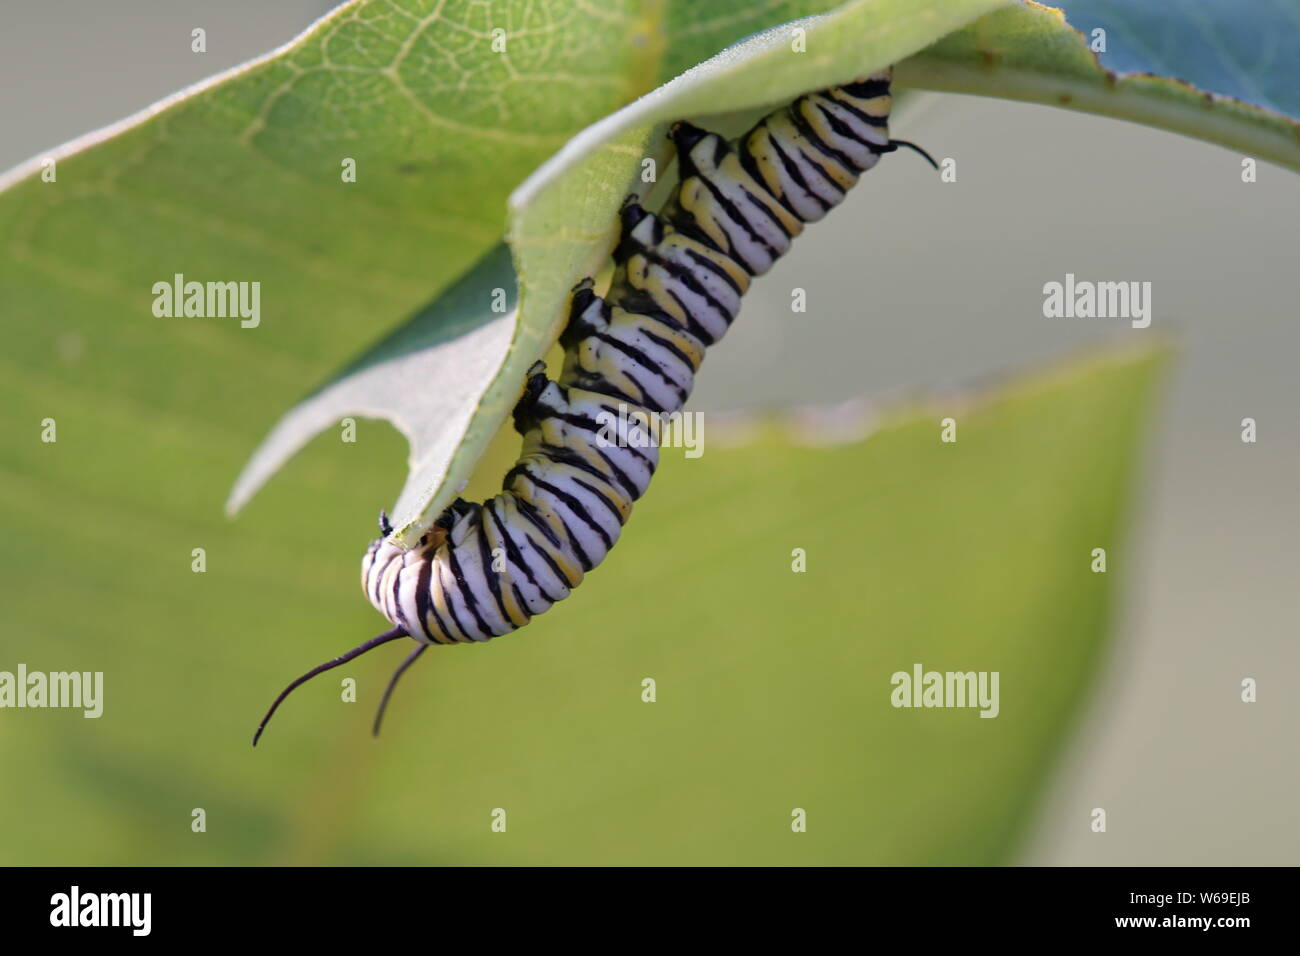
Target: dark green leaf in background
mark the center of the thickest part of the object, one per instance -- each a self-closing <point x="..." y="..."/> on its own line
<point x="1243" y="50"/>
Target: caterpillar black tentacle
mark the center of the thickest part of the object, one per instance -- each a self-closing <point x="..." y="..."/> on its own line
<point x="484" y="570"/>
<point x="357" y="651"/>
<point x="895" y="143"/>
<point x="392" y="685"/>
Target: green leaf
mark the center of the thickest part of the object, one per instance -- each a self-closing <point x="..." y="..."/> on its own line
<point x="773" y="687"/>
<point x="562" y="217"/>
<point x="240" y="178"/>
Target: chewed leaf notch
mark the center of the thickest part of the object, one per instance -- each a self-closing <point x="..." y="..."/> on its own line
<point x="427" y="378"/>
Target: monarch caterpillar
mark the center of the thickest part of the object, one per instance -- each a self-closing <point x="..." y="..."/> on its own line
<point x="677" y="287"/>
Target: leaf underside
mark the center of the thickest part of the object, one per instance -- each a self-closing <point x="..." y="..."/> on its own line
<point x="561" y="218"/>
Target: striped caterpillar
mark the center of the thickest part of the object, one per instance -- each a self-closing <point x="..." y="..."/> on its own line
<point x="484" y="570"/>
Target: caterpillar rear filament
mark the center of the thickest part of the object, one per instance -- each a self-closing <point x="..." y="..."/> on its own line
<point x="679" y="279"/>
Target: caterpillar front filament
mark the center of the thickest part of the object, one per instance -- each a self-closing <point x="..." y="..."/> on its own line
<point x="485" y="570"/>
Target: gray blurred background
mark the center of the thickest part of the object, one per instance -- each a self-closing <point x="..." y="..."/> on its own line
<point x="927" y="285"/>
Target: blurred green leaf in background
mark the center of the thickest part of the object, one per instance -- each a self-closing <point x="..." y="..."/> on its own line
<point x="772" y="686"/>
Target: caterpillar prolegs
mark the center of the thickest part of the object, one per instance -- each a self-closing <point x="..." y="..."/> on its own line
<point x="485" y="570"/>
